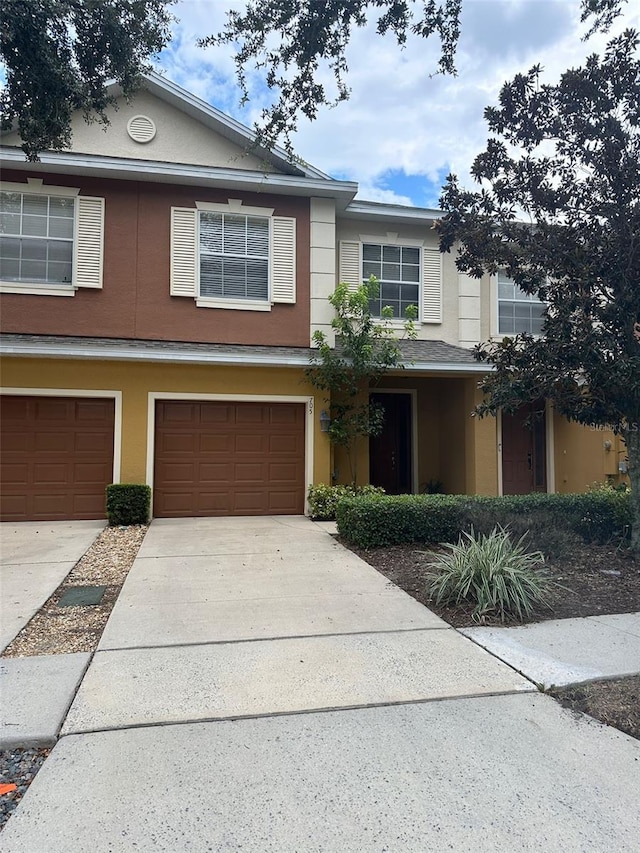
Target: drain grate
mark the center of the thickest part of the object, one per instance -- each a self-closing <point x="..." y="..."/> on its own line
<point x="81" y="596"/>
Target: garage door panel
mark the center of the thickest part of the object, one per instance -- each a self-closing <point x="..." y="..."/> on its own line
<point x="93" y="442"/>
<point x="52" y="473"/>
<point x="249" y="413"/>
<point x="57" y="457"/>
<point x="214" y="472"/>
<point x="248" y="459"/>
<point x="216" y="443"/>
<point x="222" y="414"/>
<point x="90" y="473"/>
<point x="251" y="444"/>
<point x="53" y="442"/>
<point x="14" y="473"/>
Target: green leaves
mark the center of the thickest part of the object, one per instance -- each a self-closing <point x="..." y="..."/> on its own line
<point x="58" y="55"/>
<point x="498" y="576"/>
<point x="366" y="347"/>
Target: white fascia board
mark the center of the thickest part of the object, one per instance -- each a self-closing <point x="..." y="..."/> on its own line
<point x="65" y="162"/>
<point x="375" y="210"/>
<point x="446" y="367"/>
<point x="123" y="353"/>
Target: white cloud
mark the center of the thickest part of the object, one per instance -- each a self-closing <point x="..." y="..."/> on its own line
<point x="398" y="117"/>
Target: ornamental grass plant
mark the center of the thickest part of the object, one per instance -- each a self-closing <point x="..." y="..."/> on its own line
<point x="495" y="574"/>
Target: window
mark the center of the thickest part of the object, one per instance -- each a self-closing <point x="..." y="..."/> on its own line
<point x="51" y="239"/>
<point x="36" y="238"/>
<point x="234" y="256"/>
<point x="397" y="269"/>
<point x="518" y="311"/>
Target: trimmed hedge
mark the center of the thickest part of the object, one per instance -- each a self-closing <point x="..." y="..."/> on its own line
<point x="128" y="503"/>
<point x="401" y="519"/>
<point x="323" y="499"/>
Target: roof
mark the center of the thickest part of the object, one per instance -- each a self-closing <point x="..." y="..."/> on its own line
<point x="431" y="356"/>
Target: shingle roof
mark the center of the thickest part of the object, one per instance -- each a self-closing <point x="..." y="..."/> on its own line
<point x="417" y="355"/>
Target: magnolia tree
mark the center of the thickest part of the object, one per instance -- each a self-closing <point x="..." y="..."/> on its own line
<point x="559" y="210"/>
<point x="366" y="348"/>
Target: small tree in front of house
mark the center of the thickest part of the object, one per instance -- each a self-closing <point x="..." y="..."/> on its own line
<point x="366" y="348"/>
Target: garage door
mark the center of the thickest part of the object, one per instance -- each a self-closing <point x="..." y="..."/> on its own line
<point x="56" y="457"/>
<point x="224" y="458"/>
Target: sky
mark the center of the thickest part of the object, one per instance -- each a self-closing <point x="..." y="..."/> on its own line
<point x="403" y="129"/>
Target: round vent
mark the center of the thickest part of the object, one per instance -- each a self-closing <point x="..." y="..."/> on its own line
<point x="141" y="129"/>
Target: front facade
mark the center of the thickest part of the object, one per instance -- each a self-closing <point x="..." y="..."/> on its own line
<point x="160" y="285"/>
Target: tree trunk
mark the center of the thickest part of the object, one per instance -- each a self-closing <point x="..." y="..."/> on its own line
<point x="632" y="440"/>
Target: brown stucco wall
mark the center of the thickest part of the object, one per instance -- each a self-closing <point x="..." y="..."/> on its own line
<point x="134" y="301"/>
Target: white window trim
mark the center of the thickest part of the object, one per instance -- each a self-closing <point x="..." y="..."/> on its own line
<point x="116" y="396"/>
<point x="234" y="398"/>
<point x="392" y="239"/>
<point x="235" y="206"/>
<point x="36" y="186"/>
<point x="494" y="319"/>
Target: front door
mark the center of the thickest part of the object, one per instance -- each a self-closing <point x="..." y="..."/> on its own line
<point x="390" y="452"/>
<point x="524" y="450"/>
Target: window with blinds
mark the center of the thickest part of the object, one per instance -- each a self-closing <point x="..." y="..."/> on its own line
<point x="234" y="256"/>
<point x="518" y="311"/>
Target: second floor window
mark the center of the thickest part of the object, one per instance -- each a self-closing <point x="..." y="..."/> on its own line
<point x="234" y="256"/>
<point x="36" y="238"/>
<point x="518" y="311"/>
<point x="397" y="269"/>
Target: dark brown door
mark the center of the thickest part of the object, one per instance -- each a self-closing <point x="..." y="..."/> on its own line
<point x="225" y="458"/>
<point x="56" y="457"/>
<point x="524" y="450"/>
<point x="390" y="452"/>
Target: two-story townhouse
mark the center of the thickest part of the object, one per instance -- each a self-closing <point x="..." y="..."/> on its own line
<point x="160" y="282"/>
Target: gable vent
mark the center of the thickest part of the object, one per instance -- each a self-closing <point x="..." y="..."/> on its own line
<point x="141" y="129"/>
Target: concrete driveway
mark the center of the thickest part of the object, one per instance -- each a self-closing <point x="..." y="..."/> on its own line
<point x="35" y="557"/>
<point x="260" y="688"/>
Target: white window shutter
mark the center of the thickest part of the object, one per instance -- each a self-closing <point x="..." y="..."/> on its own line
<point x="431" y="286"/>
<point x="89" y="242"/>
<point x="283" y="259"/>
<point x="350" y="264"/>
<point x="184" y="252"/>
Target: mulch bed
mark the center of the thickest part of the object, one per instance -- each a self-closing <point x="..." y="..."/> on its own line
<point x="594" y="580"/>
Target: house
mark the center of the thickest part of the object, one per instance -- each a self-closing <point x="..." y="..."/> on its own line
<point x="161" y="281"/>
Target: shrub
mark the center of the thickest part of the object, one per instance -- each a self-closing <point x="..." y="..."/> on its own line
<point x="498" y="576"/>
<point x="394" y="519"/>
<point x="323" y="499"/>
<point x="543" y="533"/>
<point x="555" y="519"/>
<point x="128" y="503"/>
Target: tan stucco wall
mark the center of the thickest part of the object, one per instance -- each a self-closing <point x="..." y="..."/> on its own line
<point x="452" y="446"/>
<point x="179" y="138"/>
<point x="581" y="457"/>
<point x="135" y="380"/>
<point x="352" y="229"/>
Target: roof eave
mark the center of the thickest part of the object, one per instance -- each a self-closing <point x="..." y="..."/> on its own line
<point x="67" y="162"/>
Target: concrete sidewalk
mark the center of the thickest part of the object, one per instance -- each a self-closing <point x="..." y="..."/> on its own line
<point x="35" y="557"/>
<point x="260" y="688"/>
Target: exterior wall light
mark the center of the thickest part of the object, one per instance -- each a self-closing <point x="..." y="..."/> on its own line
<point x="325" y="421"/>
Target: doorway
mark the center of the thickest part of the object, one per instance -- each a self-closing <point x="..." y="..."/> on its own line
<point x="524" y="450"/>
<point x="390" y="456"/>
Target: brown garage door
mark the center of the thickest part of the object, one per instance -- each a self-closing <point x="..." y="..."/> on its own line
<point x="224" y="458"/>
<point x="56" y="457"/>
